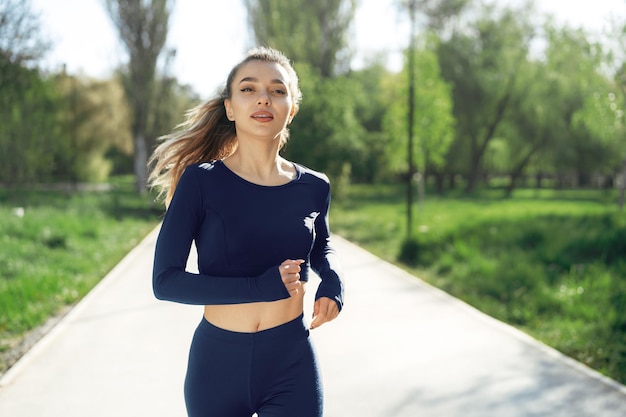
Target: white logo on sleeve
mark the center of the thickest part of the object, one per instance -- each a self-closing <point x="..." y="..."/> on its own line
<point x="309" y="221"/>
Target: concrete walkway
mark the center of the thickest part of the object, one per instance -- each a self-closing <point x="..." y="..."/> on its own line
<point x="400" y="349"/>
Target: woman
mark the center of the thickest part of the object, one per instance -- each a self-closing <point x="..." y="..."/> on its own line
<point x="260" y="223"/>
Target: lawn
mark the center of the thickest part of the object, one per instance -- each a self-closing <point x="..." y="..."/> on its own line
<point x="56" y="245"/>
<point x="552" y="263"/>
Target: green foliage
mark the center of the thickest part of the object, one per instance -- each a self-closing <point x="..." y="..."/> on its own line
<point x="549" y="262"/>
<point x="521" y="112"/>
<point x="575" y="147"/>
<point x="410" y="251"/>
<point x="371" y="99"/>
<point x="511" y="112"/>
<point x="602" y="114"/>
<point x="63" y="128"/>
<point x="482" y="62"/>
<point x="29" y="125"/>
<point x="437" y="12"/>
<point x="93" y="119"/>
<point x="308" y="32"/>
<point x="433" y="118"/>
<point x="326" y="131"/>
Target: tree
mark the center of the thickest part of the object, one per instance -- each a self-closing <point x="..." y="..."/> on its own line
<point x="373" y="97"/>
<point x="437" y="13"/>
<point x="433" y="119"/>
<point x="143" y="27"/>
<point x="21" y="41"/>
<point x="574" y="72"/>
<point x="528" y="128"/>
<point x="28" y="102"/>
<point x="29" y="125"/>
<point x="411" y="5"/>
<point x="619" y="118"/>
<point x="326" y="132"/>
<point x="313" y="32"/>
<point x="482" y="62"/>
<point x="314" y="35"/>
<point x="94" y="120"/>
<point x="621" y="82"/>
<point x="603" y="114"/>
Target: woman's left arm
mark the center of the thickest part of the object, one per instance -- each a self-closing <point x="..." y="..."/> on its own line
<point x="325" y="262"/>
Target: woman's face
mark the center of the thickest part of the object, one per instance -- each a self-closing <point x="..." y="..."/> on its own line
<point x="261" y="103"/>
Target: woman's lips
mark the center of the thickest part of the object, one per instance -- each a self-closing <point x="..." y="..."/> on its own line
<point x="262" y="116"/>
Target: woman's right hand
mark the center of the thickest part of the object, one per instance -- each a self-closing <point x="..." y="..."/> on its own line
<point x="290" y="274"/>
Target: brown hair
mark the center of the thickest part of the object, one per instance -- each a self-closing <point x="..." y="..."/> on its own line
<point x="207" y="134"/>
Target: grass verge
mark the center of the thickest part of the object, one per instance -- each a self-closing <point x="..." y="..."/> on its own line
<point x="56" y="245"/>
<point x="550" y="263"/>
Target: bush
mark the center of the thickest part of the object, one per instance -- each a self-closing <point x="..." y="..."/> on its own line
<point x="410" y="252"/>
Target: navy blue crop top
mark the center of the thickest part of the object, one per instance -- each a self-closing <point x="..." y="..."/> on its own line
<point x="243" y="232"/>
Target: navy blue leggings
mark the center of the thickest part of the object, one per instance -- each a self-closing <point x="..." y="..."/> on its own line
<point x="272" y="373"/>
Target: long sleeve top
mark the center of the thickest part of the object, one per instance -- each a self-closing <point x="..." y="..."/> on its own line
<point x="243" y="232"/>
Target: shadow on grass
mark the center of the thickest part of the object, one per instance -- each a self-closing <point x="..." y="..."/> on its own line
<point x="117" y="199"/>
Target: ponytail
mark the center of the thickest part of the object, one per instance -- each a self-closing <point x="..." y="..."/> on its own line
<point x="206" y="135"/>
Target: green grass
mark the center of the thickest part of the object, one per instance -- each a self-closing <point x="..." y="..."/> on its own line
<point x="552" y="263"/>
<point x="55" y="246"/>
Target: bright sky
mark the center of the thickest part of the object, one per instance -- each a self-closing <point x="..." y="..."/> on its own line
<point x="210" y="36"/>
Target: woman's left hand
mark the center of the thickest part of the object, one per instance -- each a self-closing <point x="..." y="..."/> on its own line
<point x="324" y="310"/>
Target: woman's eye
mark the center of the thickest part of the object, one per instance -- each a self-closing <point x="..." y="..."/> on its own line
<point x="278" y="91"/>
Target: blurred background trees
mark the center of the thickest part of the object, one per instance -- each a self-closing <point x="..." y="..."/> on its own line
<point x="142" y="27"/>
<point x="315" y="32"/>
<point x="27" y="101"/>
<point x="503" y="98"/>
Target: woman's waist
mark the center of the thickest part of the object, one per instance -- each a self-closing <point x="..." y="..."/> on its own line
<point x="254" y="317"/>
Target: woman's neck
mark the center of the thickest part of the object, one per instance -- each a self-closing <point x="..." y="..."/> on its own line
<point x="265" y="168"/>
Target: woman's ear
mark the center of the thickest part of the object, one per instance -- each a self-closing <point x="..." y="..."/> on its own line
<point x="292" y="114"/>
<point x="229" y="110"/>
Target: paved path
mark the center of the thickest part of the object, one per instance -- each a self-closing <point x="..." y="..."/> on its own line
<point x="400" y="349"/>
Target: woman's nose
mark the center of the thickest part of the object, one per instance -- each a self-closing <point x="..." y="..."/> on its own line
<point x="263" y="99"/>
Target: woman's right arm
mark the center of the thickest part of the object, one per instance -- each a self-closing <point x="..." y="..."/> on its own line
<point x="170" y="280"/>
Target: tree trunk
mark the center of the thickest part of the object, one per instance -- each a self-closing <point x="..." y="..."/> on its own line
<point x="140" y="163"/>
<point x="439" y="182"/>
<point x="478" y="154"/>
<point x="411" y="119"/>
<point x="452" y="181"/>
<point x="500" y="110"/>
<point x="421" y="191"/>
<point x="622" y="187"/>
<point x="517" y="172"/>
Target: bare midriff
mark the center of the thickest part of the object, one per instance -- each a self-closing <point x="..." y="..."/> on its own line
<point x="254" y="317"/>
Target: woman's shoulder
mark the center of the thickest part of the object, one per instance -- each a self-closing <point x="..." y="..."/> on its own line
<point x="201" y="175"/>
<point x="311" y="174"/>
<point x="202" y="169"/>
